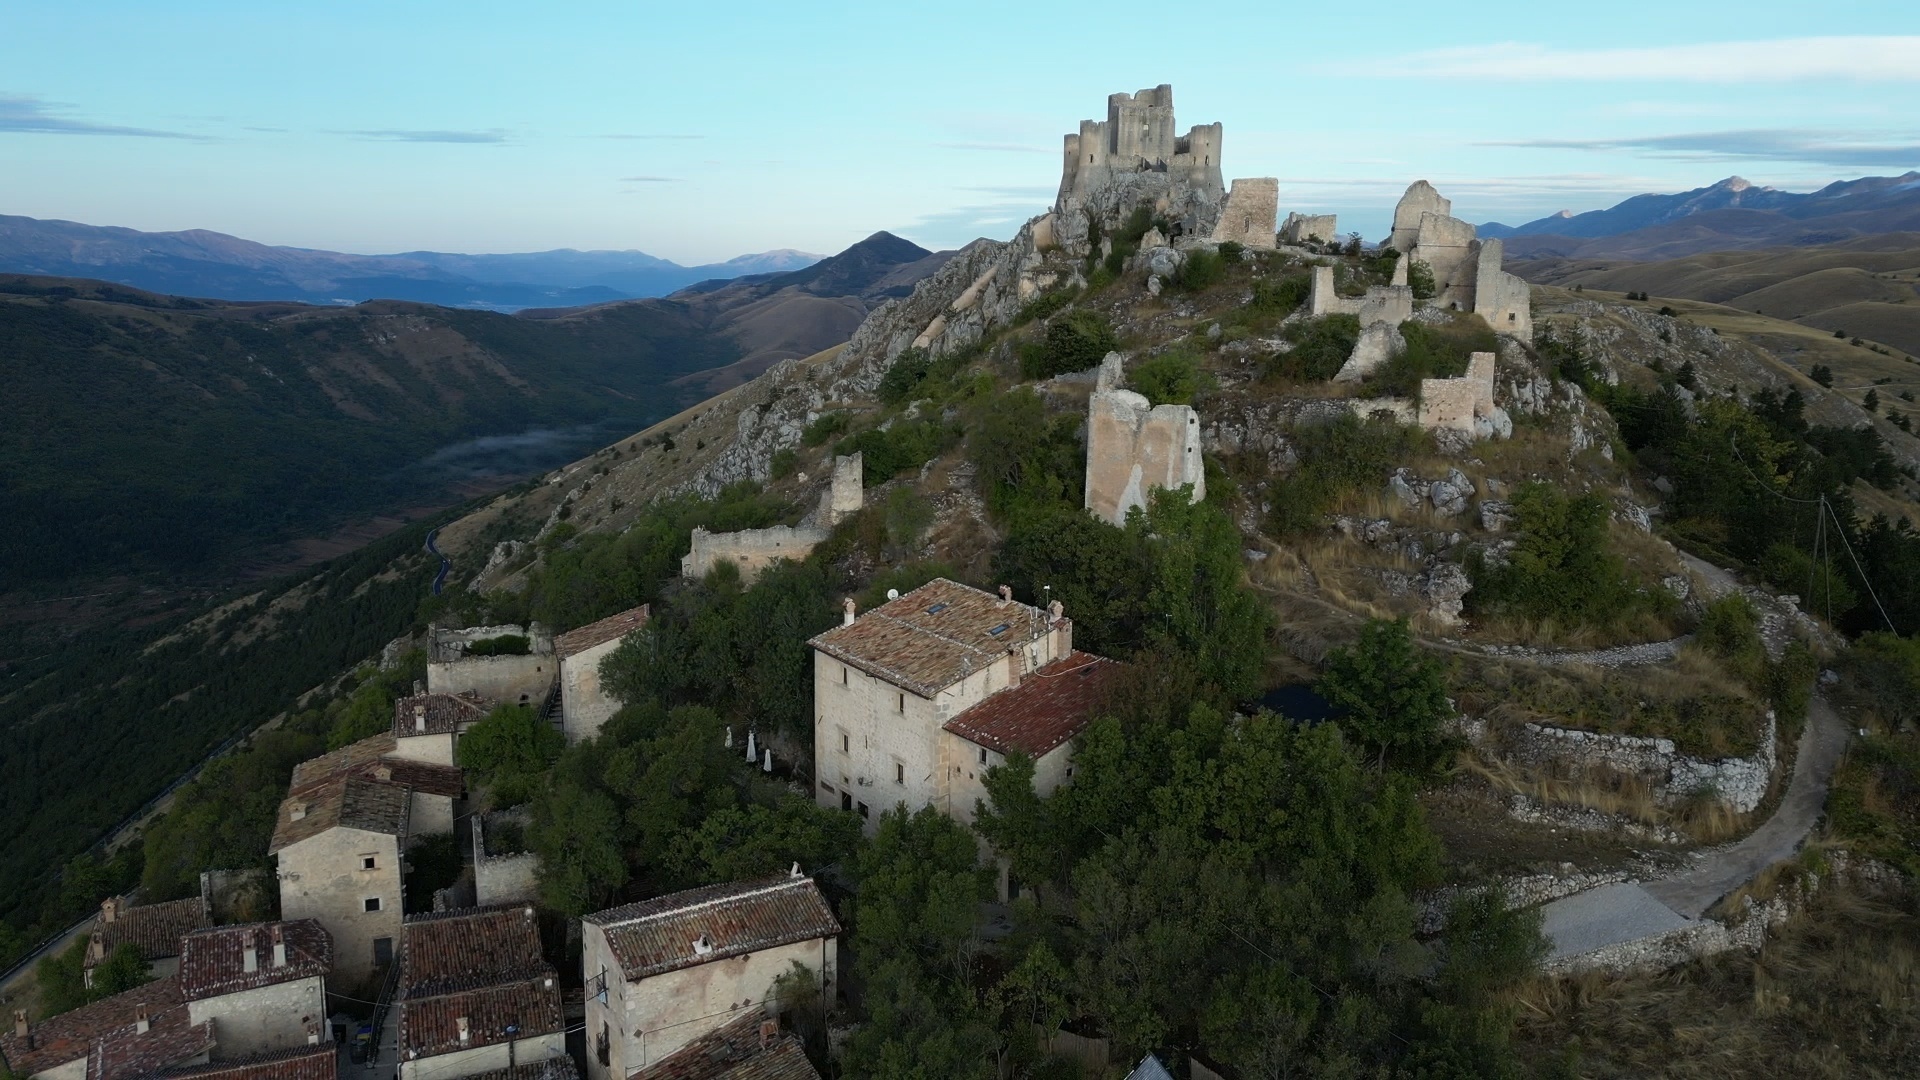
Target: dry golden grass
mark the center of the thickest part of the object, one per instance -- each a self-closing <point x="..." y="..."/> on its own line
<point x="1831" y="996"/>
<point x="1620" y="795"/>
<point x="1343" y="573"/>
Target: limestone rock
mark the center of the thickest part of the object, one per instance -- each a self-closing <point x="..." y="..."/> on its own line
<point x="1163" y="261"/>
<point x="1678" y="584"/>
<point x="1450" y="496"/>
<point x="1445" y="590"/>
<point x="1496" y="516"/>
<point x="1496" y="424"/>
<point x="1152" y="240"/>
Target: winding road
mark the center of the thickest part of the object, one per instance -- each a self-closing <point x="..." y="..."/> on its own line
<point x="446" y="564"/>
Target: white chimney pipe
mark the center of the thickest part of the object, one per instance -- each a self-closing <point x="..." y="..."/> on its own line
<point x="847" y="610"/>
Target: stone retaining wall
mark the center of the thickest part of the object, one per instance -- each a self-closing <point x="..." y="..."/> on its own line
<point x="1739" y="782"/>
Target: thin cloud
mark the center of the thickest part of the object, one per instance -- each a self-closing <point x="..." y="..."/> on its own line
<point x="1888" y="58"/>
<point x="996" y="147"/>
<point x="649" y="179"/>
<point x="1815" y="147"/>
<point x="28" y="115"/>
<point x="492" y="136"/>
<point x="648" y="136"/>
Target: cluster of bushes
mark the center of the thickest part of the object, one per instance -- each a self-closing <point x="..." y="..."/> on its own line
<point x="1562" y="568"/>
<point x="1173" y="377"/>
<point x="904" y="444"/>
<point x="1337" y="458"/>
<point x="501" y="645"/>
<point x="1320" y="347"/>
<point x="1074" y="341"/>
<point x="1432" y="352"/>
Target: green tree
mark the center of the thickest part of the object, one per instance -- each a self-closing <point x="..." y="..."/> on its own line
<point x="1871" y="402"/>
<point x="576" y="833"/>
<point x="1821" y="374"/>
<point x="1391" y="697"/>
<point x="744" y="842"/>
<point x="1169" y="378"/>
<point x="1075" y="341"/>
<point x="1420" y="278"/>
<point x="510" y="750"/>
<point x="1194" y="591"/>
<point x="1562" y="567"/>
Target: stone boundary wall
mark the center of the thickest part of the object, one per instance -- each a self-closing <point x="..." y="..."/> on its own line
<point x="1739" y="782"/>
<point x="1299" y="228"/>
<point x="752" y="549"/>
<point x="1456" y="403"/>
<point x="503" y="879"/>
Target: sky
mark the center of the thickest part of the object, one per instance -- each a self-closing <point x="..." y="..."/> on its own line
<point x="698" y="132"/>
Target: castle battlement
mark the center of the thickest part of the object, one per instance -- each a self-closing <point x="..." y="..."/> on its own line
<point x="1139" y="135"/>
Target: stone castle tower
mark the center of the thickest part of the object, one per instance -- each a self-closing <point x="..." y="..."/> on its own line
<point x="1138" y="137"/>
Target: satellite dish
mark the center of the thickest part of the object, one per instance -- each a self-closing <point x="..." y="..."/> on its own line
<point x="893" y="594"/>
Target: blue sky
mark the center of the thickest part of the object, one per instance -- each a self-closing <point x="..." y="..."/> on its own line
<point x="701" y="131"/>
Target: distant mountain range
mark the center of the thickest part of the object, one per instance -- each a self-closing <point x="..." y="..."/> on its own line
<point x="1730" y="215"/>
<point x="213" y="265"/>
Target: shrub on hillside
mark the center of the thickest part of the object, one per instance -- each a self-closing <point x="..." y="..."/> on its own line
<point x="904" y="376"/>
<point x="1432" y="352"/>
<point x="1171" y="378"/>
<point x="1336" y="459"/>
<point x="1320" y="346"/>
<point x="1420" y="279"/>
<point x="1563" y="567"/>
<point x="1074" y="341"/>
<point x="824" y="427"/>
<point x="1201" y="269"/>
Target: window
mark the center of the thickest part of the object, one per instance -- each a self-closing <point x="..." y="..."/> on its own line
<point x="983" y="755"/>
<point x="843" y="676"/>
<point x="998" y="630"/>
<point x="846" y="744"/>
<point x="371" y="903"/>
<point x="899" y="773"/>
<point x="863" y="810"/>
<point x="383" y="950"/>
<point x="368" y="862"/>
<point x="826" y="787"/>
<point x="602" y="1045"/>
<point x="846" y="800"/>
<point x="903" y="703"/>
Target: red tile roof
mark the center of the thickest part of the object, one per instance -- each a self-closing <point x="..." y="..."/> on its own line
<point x="451" y="950"/>
<point x="443" y="713"/>
<point x="431" y="1025"/>
<point x="1047" y="708"/>
<point x="658" y="935"/>
<point x="358" y="787"/>
<point x="155" y="929"/>
<point x="128" y="1053"/>
<point x="306" y="1063"/>
<point x="599" y="633"/>
<point x="734" y="1051"/>
<point x="213" y="962"/>
<point x="70" y="1035"/>
<point x="560" y="1068"/>
<point x="935" y="636"/>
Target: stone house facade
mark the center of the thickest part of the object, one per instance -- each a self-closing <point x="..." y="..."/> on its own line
<point x="476" y="994"/>
<point x="584" y="702"/>
<point x="426" y="727"/>
<point x="263" y="987"/>
<point x="496" y="680"/>
<point x="154" y="929"/>
<point x="917" y="698"/>
<point x="664" y="972"/>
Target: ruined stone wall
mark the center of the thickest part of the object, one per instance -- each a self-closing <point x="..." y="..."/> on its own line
<point x="1392" y="304"/>
<point x="1323" y="299"/>
<point x="1460" y="404"/>
<point x="507" y="680"/>
<point x="1248" y="216"/>
<point x="1447" y="245"/>
<point x="1502" y="299"/>
<point x="1299" y="228"/>
<point x="848" y="492"/>
<point x="1420" y="199"/>
<point x="1134" y="447"/>
<point x="753" y="550"/>
<point x="504" y="877"/>
<point x="1741" y="783"/>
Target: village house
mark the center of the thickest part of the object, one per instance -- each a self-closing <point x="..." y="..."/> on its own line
<point x="748" y="1046"/>
<point x="426" y="726"/>
<point x="263" y="986"/>
<point x="116" y="1038"/>
<point x="154" y="929"/>
<point x="476" y="994"/>
<point x="461" y="662"/>
<point x="917" y="698"/>
<point x="340" y="839"/>
<point x="664" y="972"/>
<point x="584" y="703"/>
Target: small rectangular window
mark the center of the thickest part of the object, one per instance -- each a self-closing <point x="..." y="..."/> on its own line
<point x="899" y="773"/>
<point x="903" y="703"/>
<point x="843" y="676"/>
<point x="846" y="744"/>
<point x="383" y="950"/>
<point x="826" y="787"/>
<point x="368" y="862"/>
<point x="371" y="903"/>
<point x="983" y="755"/>
<point x="863" y="810"/>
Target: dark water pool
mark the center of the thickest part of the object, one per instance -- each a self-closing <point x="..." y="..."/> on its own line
<point x="1297" y="701"/>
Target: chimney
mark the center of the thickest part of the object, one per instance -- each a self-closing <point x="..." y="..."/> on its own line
<point x="142" y="1021"/>
<point x="110" y="909"/>
<point x="383" y="772"/>
<point x="96" y="948"/>
<point x="313" y="1032"/>
<point x="466" y="1030"/>
<point x="1057" y="610"/>
<point x="249" y="955"/>
<point x="279" y="946"/>
<point x="769" y="1031"/>
<point x="702" y="946"/>
<point x="20" y="1027"/>
<point x="1006" y="594"/>
<point x="296" y="811"/>
<point x="419" y="718"/>
<point x="847" y="609"/>
<point x="418" y="689"/>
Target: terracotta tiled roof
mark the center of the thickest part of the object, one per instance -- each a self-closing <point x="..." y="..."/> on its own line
<point x="1046" y="709"/>
<point x="733" y="1051"/>
<point x="452" y="950"/>
<point x="213" y="962"/>
<point x="70" y="1035"/>
<point x="306" y="1063"/>
<point x="155" y="929"/>
<point x="560" y="1068"/>
<point x="934" y="636"/>
<point x="129" y="1053"/>
<point x="360" y="787"/>
<point x="658" y="935"/>
<point x="599" y="633"/>
<point x="444" y="713"/>
<point x="431" y="1025"/>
